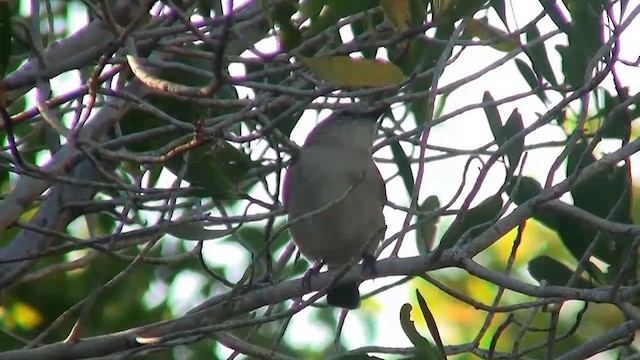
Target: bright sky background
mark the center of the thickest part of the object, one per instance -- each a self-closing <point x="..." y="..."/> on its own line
<point x="466" y="131"/>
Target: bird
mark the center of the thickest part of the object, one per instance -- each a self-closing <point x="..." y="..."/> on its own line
<point x="334" y="195"/>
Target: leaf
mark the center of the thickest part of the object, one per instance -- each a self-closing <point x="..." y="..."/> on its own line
<point x="348" y="8"/>
<point x="195" y="231"/>
<point x="616" y="121"/>
<point x="584" y="42"/>
<point x="481" y="29"/>
<point x="615" y="117"/>
<point x="523" y="188"/>
<point x="499" y="7"/>
<point x="26" y="317"/>
<point x="5" y="38"/>
<point x="253" y="238"/>
<point x="404" y="167"/>
<point x="397" y="11"/>
<point x="335" y="10"/>
<point x="544" y="268"/>
<point x="289" y="35"/>
<point x="205" y="7"/>
<point x="427" y="228"/>
<point x="586" y="18"/>
<point x="311" y="8"/>
<point x="531" y="79"/>
<point x="422" y="55"/>
<point x="502" y="134"/>
<point x="538" y="55"/>
<point x="345" y="71"/>
<point x="283" y="124"/>
<point x="572" y="68"/>
<point x="481" y="214"/>
<point x="555" y="13"/>
<point x="424" y="349"/>
<point x="218" y="170"/>
<point x="493" y="117"/>
<point x="600" y="193"/>
<point x="511" y="128"/>
<point x="359" y="357"/>
<point x="431" y="324"/>
<point x="367" y="24"/>
<point x="417" y="12"/>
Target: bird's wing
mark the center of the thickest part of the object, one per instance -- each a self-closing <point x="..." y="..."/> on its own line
<point x="382" y="191"/>
<point x="285" y="187"/>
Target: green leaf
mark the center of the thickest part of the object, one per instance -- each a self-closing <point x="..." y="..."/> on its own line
<point x="457" y="10"/>
<point x="538" y="55"/>
<point x="367" y="24"/>
<point x="523" y="188"/>
<point x="195" y="231"/>
<point x="501" y="133"/>
<point x="423" y="54"/>
<point x="404" y="167"/>
<point x="481" y="29"/>
<point x="359" y="357"/>
<point x="427" y="228"/>
<point x="531" y="79"/>
<point x="597" y="195"/>
<point x="499" y="7"/>
<point x="424" y="349"/>
<point x="485" y="212"/>
<point x="288" y="34"/>
<point x="584" y="42"/>
<point x="600" y="193"/>
<point x="335" y="10"/>
<point x="616" y="119"/>
<point x="493" y="117"/>
<point x="218" y="170"/>
<point x="311" y="8"/>
<point x="205" y="7"/>
<point x="555" y="13"/>
<point x="586" y="17"/>
<point x="572" y="66"/>
<point x="417" y="11"/>
<point x="431" y="324"/>
<point x="254" y="236"/>
<point x="398" y="13"/>
<point x="260" y="72"/>
<point x="511" y="128"/>
<point x="544" y="268"/>
<point x="420" y="56"/>
<point x="5" y="38"/>
<point x="348" y="8"/>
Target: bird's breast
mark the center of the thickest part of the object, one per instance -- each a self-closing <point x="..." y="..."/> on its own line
<point x="335" y="209"/>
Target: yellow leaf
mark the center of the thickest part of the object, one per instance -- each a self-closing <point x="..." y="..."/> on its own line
<point x="26" y="317"/>
<point x="481" y="29"/>
<point x="397" y="11"/>
<point x="349" y="72"/>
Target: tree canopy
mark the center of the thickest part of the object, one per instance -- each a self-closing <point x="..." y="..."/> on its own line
<point x="144" y="144"/>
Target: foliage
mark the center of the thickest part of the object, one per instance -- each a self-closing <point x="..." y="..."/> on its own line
<point x="140" y="211"/>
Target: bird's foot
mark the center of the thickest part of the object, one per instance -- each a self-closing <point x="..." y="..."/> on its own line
<point x="369" y="265"/>
<point x="314" y="271"/>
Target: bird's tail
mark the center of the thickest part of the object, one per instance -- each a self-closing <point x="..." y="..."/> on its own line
<point x="345" y="296"/>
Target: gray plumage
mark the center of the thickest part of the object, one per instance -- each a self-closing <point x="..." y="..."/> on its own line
<point x="336" y="156"/>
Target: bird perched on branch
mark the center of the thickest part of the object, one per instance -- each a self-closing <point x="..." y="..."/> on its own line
<point x="334" y="195"/>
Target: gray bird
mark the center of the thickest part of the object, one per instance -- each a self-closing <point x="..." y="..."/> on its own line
<point x="336" y="160"/>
